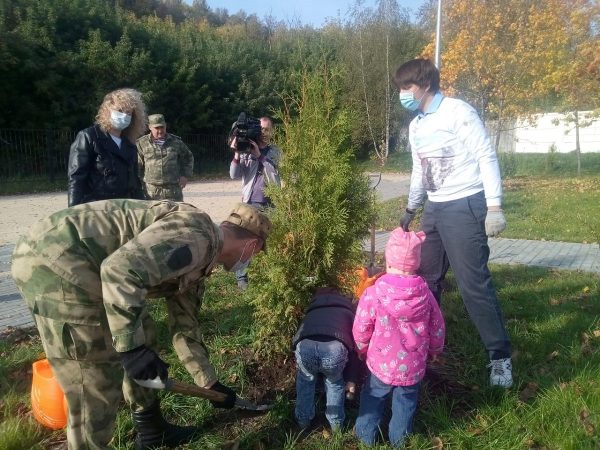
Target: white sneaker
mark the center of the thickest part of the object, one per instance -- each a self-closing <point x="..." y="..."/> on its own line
<point x="501" y="372"/>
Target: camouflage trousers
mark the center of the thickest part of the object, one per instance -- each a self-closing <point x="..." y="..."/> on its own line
<point x="164" y="192"/>
<point x="78" y="344"/>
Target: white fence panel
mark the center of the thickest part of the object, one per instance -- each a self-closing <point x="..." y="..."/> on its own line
<point x="547" y="130"/>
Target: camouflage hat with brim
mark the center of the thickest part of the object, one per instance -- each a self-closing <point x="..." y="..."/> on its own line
<point x="252" y="219"/>
<point x="156" y="120"/>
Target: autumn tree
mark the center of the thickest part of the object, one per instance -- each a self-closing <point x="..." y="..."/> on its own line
<point x="575" y="79"/>
<point x="376" y="41"/>
<point x="496" y="54"/>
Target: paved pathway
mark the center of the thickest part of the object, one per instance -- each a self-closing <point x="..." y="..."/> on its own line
<point x="560" y="255"/>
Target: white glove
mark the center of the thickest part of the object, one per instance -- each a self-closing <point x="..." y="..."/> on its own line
<point x="495" y="223"/>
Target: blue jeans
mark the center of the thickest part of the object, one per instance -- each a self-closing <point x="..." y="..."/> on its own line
<point x="328" y="359"/>
<point x="456" y="238"/>
<point x="372" y="402"/>
<point x="242" y="273"/>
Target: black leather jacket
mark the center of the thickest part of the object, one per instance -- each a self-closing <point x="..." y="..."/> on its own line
<point x="99" y="170"/>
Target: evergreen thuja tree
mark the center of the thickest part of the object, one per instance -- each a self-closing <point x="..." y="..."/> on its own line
<point x="321" y="214"/>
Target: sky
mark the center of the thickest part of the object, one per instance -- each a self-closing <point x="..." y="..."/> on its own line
<point x="309" y="12"/>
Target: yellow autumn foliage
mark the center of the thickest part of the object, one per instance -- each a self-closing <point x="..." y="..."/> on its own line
<point x="514" y="58"/>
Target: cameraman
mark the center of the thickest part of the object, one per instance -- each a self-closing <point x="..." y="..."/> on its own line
<point x="257" y="167"/>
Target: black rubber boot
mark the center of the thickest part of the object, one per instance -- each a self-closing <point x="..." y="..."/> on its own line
<point x="155" y="432"/>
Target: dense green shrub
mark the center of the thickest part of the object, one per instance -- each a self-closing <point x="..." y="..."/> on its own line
<point x="321" y="214"/>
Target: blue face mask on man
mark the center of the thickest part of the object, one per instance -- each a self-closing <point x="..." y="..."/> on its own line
<point x="408" y="100"/>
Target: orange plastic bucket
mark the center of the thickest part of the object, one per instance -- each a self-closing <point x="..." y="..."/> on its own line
<point x="48" y="401"/>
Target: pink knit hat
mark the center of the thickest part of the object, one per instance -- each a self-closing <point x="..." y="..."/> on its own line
<point x="403" y="250"/>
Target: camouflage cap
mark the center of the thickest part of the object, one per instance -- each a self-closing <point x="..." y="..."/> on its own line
<point x="156" y="120"/>
<point x="251" y="219"/>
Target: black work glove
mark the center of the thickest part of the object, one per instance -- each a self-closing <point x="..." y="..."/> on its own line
<point x="144" y="364"/>
<point x="229" y="401"/>
<point x="407" y="218"/>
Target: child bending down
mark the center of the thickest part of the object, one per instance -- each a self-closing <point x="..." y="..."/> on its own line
<point x="398" y="325"/>
<point x="324" y="346"/>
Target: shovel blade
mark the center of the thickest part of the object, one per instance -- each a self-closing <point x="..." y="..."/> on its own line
<point x="245" y="404"/>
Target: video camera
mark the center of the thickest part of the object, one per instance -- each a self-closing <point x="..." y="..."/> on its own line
<point x="245" y="129"/>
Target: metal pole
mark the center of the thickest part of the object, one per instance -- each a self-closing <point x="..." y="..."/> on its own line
<point x="438" y="29"/>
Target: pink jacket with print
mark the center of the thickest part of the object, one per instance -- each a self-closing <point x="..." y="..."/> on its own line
<point x="398" y="324"/>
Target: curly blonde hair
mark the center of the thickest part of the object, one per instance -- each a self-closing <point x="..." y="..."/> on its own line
<point x="128" y="99"/>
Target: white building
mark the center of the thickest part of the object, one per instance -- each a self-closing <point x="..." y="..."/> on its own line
<point x="546" y="130"/>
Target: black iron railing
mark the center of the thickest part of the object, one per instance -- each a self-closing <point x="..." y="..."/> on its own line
<point x="27" y="154"/>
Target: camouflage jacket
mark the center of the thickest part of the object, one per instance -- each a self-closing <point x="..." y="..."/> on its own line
<point x="140" y="249"/>
<point x="164" y="165"/>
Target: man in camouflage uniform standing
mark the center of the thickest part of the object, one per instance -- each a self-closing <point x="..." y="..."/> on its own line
<point x="86" y="273"/>
<point x="164" y="161"/>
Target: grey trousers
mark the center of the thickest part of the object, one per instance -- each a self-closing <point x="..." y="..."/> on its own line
<point x="456" y="238"/>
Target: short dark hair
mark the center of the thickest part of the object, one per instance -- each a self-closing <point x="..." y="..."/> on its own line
<point x="419" y="71"/>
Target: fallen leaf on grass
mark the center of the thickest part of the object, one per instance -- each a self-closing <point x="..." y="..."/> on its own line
<point x="586" y="346"/>
<point x="231" y="445"/>
<point x="232" y="378"/>
<point x="475" y="431"/>
<point x="596" y="333"/>
<point x="437" y="444"/>
<point x="326" y="434"/>
<point x="584" y="418"/>
<point x="553" y="355"/>
<point x="483" y="420"/>
<point x="529" y="392"/>
<point x="534" y="445"/>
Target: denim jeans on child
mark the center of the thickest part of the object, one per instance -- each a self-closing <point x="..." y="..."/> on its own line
<point x="314" y="358"/>
<point x="372" y="402"/>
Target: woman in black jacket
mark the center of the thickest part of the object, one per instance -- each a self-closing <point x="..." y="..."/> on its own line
<point x="103" y="157"/>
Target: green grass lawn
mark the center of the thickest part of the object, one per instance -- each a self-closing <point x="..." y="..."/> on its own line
<point x="397" y="162"/>
<point x="543" y="197"/>
<point x="553" y="209"/>
<point x="552" y="317"/>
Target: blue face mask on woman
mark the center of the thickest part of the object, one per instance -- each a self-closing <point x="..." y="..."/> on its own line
<point x="119" y="120"/>
<point x="408" y="100"/>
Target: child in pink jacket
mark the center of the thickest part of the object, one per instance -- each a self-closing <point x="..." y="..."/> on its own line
<point x="398" y="325"/>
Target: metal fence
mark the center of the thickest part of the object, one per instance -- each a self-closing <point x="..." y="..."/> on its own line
<point x="44" y="154"/>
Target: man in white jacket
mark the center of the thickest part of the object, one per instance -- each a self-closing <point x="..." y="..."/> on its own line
<point x="456" y="166"/>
